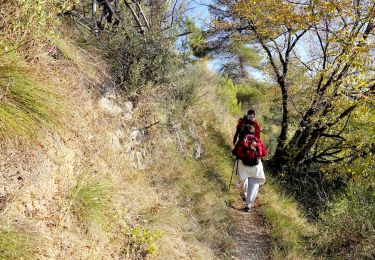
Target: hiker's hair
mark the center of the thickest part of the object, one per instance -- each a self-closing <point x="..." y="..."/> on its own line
<point x="251" y="112"/>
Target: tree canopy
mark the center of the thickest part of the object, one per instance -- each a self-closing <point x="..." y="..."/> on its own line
<point x="330" y="43"/>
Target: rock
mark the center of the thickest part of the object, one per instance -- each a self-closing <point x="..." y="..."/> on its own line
<point x="128" y="111"/>
<point x="136" y="136"/>
<point x="116" y="139"/>
<point x="197" y="154"/>
<point x="110" y="106"/>
<point x="139" y="160"/>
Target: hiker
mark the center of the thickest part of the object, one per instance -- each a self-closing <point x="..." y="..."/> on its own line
<point x="241" y="130"/>
<point x="248" y="166"/>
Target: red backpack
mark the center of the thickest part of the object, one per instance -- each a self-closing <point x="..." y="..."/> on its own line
<point x="247" y="154"/>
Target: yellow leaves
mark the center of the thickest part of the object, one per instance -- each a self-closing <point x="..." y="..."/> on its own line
<point x="271" y="12"/>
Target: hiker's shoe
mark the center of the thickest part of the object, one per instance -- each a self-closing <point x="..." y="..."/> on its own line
<point x="243" y="196"/>
<point x="246" y="209"/>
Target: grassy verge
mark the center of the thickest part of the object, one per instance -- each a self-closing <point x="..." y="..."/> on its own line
<point x="194" y="211"/>
<point x="14" y="245"/>
<point x="287" y="226"/>
<point x="26" y="103"/>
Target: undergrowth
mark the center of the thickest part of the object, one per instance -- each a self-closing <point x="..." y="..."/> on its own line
<point x="347" y="228"/>
<point x="288" y="228"/>
<point x="15" y="245"/>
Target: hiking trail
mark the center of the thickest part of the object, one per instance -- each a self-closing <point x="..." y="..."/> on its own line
<point x="252" y="241"/>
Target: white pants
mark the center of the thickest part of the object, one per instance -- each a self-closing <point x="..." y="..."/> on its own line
<point x="251" y="188"/>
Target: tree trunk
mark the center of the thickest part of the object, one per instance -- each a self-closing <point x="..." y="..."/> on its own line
<point x="280" y="156"/>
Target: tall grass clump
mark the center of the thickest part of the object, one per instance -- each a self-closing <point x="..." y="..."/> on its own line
<point x="348" y="226"/>
<point x="86" y="61"/>
<point x="91" y="201"/>
<point x="287" y="226"/>
<point x="14" y="245"/>
<point x="26" y="103"/>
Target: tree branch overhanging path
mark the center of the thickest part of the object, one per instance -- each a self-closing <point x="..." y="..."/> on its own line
<point x="336" y="37"/>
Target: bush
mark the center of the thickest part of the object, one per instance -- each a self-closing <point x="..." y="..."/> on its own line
<point x="228" y="92"/>
<point x="28" y="24"/>
<point x="348" y="227"/>
<point x="138" y="60"/>
<point x="144" y="242"/>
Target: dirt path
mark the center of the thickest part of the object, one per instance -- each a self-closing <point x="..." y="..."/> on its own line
<point x="252" y="240"/>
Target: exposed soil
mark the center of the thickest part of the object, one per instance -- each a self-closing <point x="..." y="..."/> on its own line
<point x="252" y="240"/>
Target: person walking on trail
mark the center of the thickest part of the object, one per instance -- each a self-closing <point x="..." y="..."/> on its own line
<point x="241" y="130"/>
<point x="248" y="165"/>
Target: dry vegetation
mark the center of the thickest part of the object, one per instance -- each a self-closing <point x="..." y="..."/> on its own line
<point x="84" y="188"/>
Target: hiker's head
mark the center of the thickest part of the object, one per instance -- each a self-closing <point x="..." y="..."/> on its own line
<point x="250" y="115"/>
<point x="250" y="112"/>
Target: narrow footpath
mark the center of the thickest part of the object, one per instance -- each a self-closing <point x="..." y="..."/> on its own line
<point x="252" y="240"/>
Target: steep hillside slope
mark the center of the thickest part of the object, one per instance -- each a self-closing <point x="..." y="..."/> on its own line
<point x="94" y="175"/>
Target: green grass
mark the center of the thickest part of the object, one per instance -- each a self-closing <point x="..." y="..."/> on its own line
<point x="347" y="228"/>
<point x="26" y="104"/>
<point x="287" y="226"/>
<point x="91" y="201"/>
<point x="14" y="245"/>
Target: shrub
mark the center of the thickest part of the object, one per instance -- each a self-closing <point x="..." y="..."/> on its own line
<point x="228" y="92"/>
<point x="144" y="241"/>
<point x="348" y="227"/>
<point x="138" y="60"/>
<point x="29" y="23"/>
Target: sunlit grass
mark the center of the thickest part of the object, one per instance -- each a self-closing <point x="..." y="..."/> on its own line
<point x="81" y="59"/>
<point x="26" y="103"/>
<point x="14" y="245"/>
<point x="91" y="201"/>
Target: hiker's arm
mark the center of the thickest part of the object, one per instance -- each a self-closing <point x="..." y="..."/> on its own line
<point x="235" y="136"/>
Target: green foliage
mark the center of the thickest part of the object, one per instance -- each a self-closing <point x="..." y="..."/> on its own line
<point x="26" y="104"/>
<point x="238" y="57"/>
<point x="348" y="227"/>
<point x="195" y="39"/>
<point x="138" y="60"/>
<point x="248" y="94"/>
<point x="186" y="85"/>
<point x="91" y="201"/>
<point x="144" y="241"/>
<point x="29" y="23"/>
<point x="227" y="90"/>
<point x="14" y="245"/>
